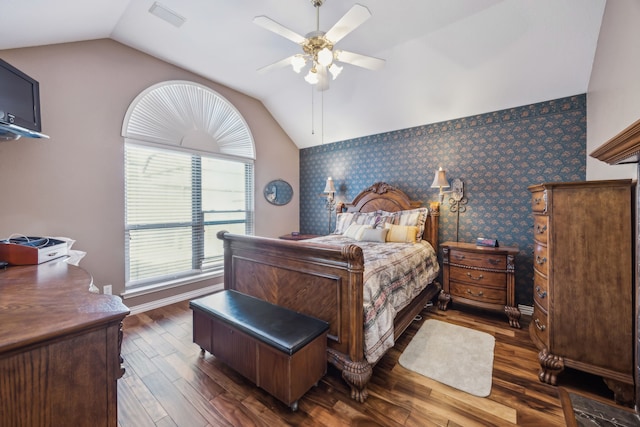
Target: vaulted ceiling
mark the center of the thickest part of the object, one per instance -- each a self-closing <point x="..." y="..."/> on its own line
<point x="445" y="59"/>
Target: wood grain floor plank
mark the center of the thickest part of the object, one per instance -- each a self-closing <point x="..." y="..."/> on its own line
<point x="146" y="398"/>
<point x="177" y="406"/>
<point x="201" y="404"/>
<point x="235" y="412"/>
<point x="131" y="409"/>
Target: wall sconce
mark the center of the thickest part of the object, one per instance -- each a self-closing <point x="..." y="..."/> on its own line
<point x="330" y="204"/>
<point x="457" y="201"/>
<point x="440" y="181"/>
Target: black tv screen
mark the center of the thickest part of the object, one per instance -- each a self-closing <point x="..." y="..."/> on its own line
<point x="19" y="98"/>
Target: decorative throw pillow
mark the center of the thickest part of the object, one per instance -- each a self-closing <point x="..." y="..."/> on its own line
<point x="345" y="219"/>
<point x="374" y="235"/>
<point x="401" y="233"/>
<point x="410" y="217"/>
<point x="355" y="231"/>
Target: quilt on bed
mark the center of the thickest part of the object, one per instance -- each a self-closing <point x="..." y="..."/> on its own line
<point x="394" y="274"/>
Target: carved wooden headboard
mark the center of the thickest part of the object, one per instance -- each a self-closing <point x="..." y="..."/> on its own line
<point x="385" y="197"/>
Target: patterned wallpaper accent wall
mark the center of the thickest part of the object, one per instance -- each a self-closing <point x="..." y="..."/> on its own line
<point x="497" y="155"/>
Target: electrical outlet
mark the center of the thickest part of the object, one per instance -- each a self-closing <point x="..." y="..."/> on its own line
<point x="106" y="289"/>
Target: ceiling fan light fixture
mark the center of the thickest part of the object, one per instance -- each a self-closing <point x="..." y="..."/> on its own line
<point x="325" y="57"/>
<point x="312" y="77"/>
<point x="335" y="70"/>
<point x="318" y="46"/>
<point x="298" y="62"/>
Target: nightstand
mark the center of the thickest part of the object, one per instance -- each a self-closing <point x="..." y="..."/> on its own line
<point x="298" y="236"/>
<point x="479" y="276"/>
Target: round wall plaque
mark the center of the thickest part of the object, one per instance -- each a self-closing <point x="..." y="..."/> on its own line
<point x="278" y="192"/>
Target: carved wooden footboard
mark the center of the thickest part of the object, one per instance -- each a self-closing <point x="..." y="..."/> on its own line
<point x="325" y="282"/>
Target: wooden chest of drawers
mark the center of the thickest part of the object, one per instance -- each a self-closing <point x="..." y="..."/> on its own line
<point x="583" y="281"/>
<point x="479" y="276"/>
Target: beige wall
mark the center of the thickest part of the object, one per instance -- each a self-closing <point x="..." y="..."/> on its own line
<point x="72" y="185"/>
<point x="613" y="98"/>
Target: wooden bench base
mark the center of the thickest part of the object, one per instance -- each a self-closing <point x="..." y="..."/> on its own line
<point x="286" y="375"/>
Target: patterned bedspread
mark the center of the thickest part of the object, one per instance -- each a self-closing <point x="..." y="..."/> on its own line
<point x="394" y="274"/>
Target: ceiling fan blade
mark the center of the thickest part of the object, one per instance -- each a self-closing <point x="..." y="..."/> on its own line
<point x="280" y="64"/>
<point x="281" y="30"/>
<point x="349" y="22"/>
<point x="368" y="62"/>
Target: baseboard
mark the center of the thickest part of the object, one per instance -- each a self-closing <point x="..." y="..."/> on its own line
<point x="527" y="310"/>
<point x="175" y="298"/>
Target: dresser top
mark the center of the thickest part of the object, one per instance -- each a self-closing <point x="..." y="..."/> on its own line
<point x="50" y="300"/>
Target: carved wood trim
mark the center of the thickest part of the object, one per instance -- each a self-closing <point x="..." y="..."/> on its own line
<point x="622" y="148"/>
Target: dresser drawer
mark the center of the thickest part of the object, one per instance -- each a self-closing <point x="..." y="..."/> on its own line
<point x="541" y="290"/>
<point x="473" y="259"/>
<point x="539" y="201"/>
<point x="478" y="293"/>
<point x="490" y="279"/>
<point x="541" y="259"/>
<point x="541" y="228"/>
<point x="539" y="325"/>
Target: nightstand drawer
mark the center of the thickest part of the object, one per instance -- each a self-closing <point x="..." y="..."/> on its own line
<point x="539" y="325"/>
<point x="539" y="201"/>
<point x="541" y="228"/>
<point x="473" y="259"/>
<point x="541" y="259"/>
<point x="478" y="293"/>
<point x="540" y="290"/>
<point x="478" y="277"/>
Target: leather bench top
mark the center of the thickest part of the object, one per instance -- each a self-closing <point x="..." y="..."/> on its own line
<point x="284" y="329"/>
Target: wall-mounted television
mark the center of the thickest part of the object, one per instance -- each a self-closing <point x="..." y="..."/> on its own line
<point x="19" y="104"/>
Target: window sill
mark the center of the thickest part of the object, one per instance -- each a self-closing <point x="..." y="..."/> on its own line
<point x="157" y="287"/>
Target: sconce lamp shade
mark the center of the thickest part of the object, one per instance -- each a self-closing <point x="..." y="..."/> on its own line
<point x="329" y="188"/>
<point x="440" y="180"/>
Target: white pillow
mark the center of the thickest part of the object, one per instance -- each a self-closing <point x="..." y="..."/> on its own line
<point x="374" y="235"/>
<point x="355" y="231"/>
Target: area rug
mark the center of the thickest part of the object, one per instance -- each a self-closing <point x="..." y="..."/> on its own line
<point x="453" y="355"/>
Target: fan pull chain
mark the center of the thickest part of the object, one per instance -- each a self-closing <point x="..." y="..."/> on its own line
<point x="322" y="118"/>
<point x="313" y="132"/>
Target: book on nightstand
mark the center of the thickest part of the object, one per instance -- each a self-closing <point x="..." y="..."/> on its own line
<point x="491" y="243"/>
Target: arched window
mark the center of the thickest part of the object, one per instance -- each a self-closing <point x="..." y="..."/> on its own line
<point x="188" y="174"/>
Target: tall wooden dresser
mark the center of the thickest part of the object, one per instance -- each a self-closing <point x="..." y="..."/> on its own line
<point x="583" y="281"/>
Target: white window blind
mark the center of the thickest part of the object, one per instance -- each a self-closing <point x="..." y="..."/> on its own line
<point x="175" y="203"/>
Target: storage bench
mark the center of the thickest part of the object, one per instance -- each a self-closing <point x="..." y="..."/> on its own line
<point x="280" y="350"/>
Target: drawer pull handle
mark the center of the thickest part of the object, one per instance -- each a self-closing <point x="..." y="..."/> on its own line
<point x="542" y="229"/>
<point x="479" y="294"/>
<point x="540" y="260"/>
<point x="540" y="326"/>
<point x="493" y="261"/>
<point x="541" y="294"/>
<point x="537" y="200"/>
<point x="475" y="278"/>
<point x="459" y="256"/>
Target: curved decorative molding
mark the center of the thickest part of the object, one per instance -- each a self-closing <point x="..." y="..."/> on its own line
<point x="622" y="148"/>
<point x="188" y="115"/>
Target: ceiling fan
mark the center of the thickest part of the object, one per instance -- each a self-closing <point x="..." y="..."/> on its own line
<point x="318" y="46"/>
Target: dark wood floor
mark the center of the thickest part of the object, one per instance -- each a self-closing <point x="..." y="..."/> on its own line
<point x="168" y="383"/>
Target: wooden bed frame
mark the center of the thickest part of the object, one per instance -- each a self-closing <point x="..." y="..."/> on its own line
<point x="325" y="282"/>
